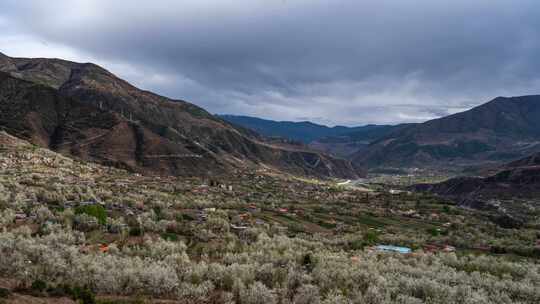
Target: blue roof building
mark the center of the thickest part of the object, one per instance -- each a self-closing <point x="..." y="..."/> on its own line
<point x="390" y="248"/>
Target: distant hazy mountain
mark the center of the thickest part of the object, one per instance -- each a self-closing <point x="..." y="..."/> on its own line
<point x="500" y="130"/>
<point x="304" y="131"/>
<point x="339" y="140"/>
<point x="354" y="142"/>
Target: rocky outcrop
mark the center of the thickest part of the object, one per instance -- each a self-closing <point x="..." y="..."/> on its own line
<point x="505" y="193"/>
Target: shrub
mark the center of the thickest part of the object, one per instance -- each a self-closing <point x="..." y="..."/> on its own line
<point x="371" y="238"/>
<point x="96" y="211"/>
<point x="84" y="295"/>
<point x="433" y="231"/>
<point x="4" y="293"/>
<point x="307" y="262"/>
<point x="39" y="285"/>
<point x="135" y="231"/>
<point x="60" y="291"/>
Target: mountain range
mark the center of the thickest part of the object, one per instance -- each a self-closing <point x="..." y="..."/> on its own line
<point x="83" y="110"/>
<point x="498" y="131"/>
<point x="303" y="131"/>
<point x="501" y="130"/>
<point x="338" y="140"/>
<point x="347" y="145"/>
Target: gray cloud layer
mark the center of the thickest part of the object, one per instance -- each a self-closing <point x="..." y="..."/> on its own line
<point x="333" y="61"/>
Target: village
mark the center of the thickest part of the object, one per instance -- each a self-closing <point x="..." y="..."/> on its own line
<point x="115" y="206"/>
<point x="58" y="211"/>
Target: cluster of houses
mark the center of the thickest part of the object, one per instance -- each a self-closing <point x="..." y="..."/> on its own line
<point x="212" y="186"/>
<point x="240" y="221"/>
<point x="214" y="183"/>
<point x="25" y="158"/>
<point x="21" y="217"/>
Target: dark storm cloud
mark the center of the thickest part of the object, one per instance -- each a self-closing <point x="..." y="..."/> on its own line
<point x="335" y="61"/>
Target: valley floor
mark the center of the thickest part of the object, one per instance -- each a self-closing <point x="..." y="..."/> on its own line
<point x="73" y="231"/>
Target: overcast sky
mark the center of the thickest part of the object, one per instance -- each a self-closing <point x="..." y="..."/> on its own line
<point x="349" y="62"/>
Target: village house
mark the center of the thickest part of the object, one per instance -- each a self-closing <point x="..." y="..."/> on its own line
<point x="409" y="213"/>
<point x="69" y="204"/>
<point x="448" y="248"/>
<point x="330" y="222"/>
<point x="430" y="248"/>
<point x="118" y="228"/>
<point x="244" y="216"/>
<point x="20" y="216"/>
<point x="253" y="208"/>
<point x="433" y="216"/>
<point x="104" y="248"/>
<point x="88" y="203"/>
<point x="202" y="215"/>
<point x="114" y="206"/>
<point x="391" y="248"/>
<point x="280" y="229"/>
<point x="438" y="248"/>
<point x="238" y="227"/>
